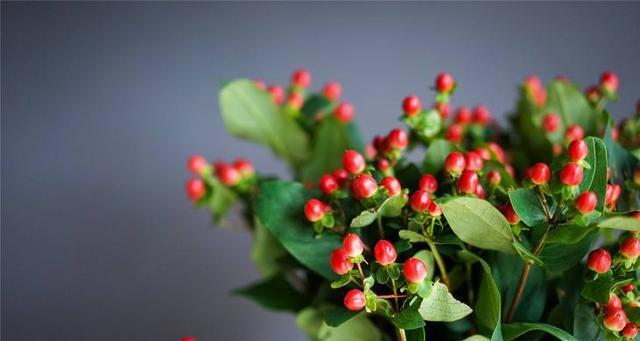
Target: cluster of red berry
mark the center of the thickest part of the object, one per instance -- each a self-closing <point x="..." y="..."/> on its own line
<point x="236" y="175"/>
<point x="600" y="261"/>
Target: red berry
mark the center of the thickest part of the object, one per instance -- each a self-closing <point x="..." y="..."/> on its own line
<point x="614" y="303"/>
<point x="592" y="93"/>
<point x="363" y="186"/>
<point x="468" y="182"/>
<point x="455" y="163"/>
<point x="295" y="100"/>
<point x="339" y="261"/>
<point x="630" y="248"/>
<point x="454" y="133"/>
<point x="353" y="162"/>
<point x="550" y="122"/>
<point x="370" y="151"/>
<point x="481" y="115"/>
<point x="599" y="260"/>
<point x="392" y="185"/>
<point x="301" y="78"/>
<point x="578" y="150"/>
<point x="354" y="300"/>
<point x="428" y="183"/>
<point x="586" y="202"/>
<point x="615" y="320"/>
<point x="556" y="148"/>
<point x="494" y="177"/>
<point x="509" y="213"/>
<point x="352" y="245"/>
<point x="540" y="173"/>
<point x="485" y="154"/>
<point x="341" y="176"/>
<point x="384" y="252"/>
<point x="397" y="139"/>
<point x="195" y="189"/>
<point x="474" y="161"/>
<point x="379" y="143"/>
<point x="497" y="150"/>
<point x="444" y="82"/>
<point x="630" y="331"/>
<point x="411" y="105"/>
<point x="344" y="112"/>
<point x="574" y="132"/>
<point x="443" y="108"/>
<point x="277" y="93"/>
<point x="260" y="84"/>
<point x="244" y="167"/>
<point x="480" y="191"/>
<point x="571" y="174"/>
<point x="463" y="115"/>
<point x="628" y="288"/>
<point x="609" y="81"/>
<point x="533" y="83"/>
<point x="188" y="338"/>
<point x="196" y="164"/>
<point x="383" y="165"/>
<point x="434" y="209"/>
<point x="420" y="201"/>
<point x="414" y="270"/>
<point x="332" y="91"/>
<point x="228" y="175"/>
<point x="315" y="210"/>
<point x="328" y="184"/>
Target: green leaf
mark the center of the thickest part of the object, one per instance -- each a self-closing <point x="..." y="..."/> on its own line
<point x="415" y="334"/>
<point x="599" y="289"/>
<point x="221" y="200"/>
<point x="558" y="257"/>
<point x="331" y="139"/>
<point x="340" y="282"/>
<point x="392" y="207"/>
<point x="266" y="251"/>
<point x="335" y="316"/>
<point x="426" y="257"/>
<point x="568" y="234"/>
<point x="359" y="328"/>
<point x="525" y="254"/>
<point x="275" y="293"/>
<point x="408" y="318"/>
<point x="622" y="165"/>
<point x="365" y="218"/>
<point x="441" y="306"/>
<point x="477" y="338"/>
<point x="567" y="100"/>
<point x="595" y="178"/>
<point x="478" y="223"/>
<point x="527" y="204"/>
<point x="435" y="155"/>
<point x="585" y="326"/>
<point x="412" y="237"/>
<point x="621" y="223"/>
<point x="316" y="104"/>
<point x="279" y="207"/>
<point x="512" y="331"/>
<point x="250" y="113"/>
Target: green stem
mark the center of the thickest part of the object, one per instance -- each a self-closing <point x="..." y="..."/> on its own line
<point x="380" y="228"/>
<point x="395" y="294"/>
<point x="440" y="262"/>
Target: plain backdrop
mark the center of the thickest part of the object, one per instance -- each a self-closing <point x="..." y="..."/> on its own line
<point x="102" y="103"/>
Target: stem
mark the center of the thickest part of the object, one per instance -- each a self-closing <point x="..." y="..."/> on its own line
<point x="470" y="292"/>
<point x="523" y="278"/>
<point x="440" y="262"/>
<point x="361" y="273"/>
<point x="380" y="228"/>
<point x="545" y="206"/>
<point x="342" y="215"/>
<point x="395" y="293"/>
<point x="392" y="296"/>
<point x="401" y="334"/>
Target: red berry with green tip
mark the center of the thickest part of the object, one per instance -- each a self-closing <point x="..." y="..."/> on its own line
<point x="630" y="248"/>
<point x="414" y="270"/>
<point x="344" y="112"/>
<point x="420" y="201"/>
<point x="630" y="331"/>
<point x="574" y="132"/>
<point x="301" y="78"/>
<point x="392" y="185"/>
<point x="352" y="245"/>
<point x="628" y="288"/>
<point x="497" y="150"/>
<point x="593" y="93"/>
<point x="353" y="162"/>
<point x="354" y="300"/>
<point x="196" y="164"/>
<point x="339" y="261"/>
<point x="444" y="82"/>
<point x="397" y="139"/>
<point x="295" y="100"/>
<point x="195" y="189"/>
<point x="586" y="202"/>
<point x="363" y="186"/>
<point x="481" y="115"/>
<point x="411" y="105"/>
<point x="332" y="91"/>
<point x="480" y="191"/>
<point x="244" y="167"/>
<point x="260" y="84"/>
<point x="614" y="303"/>
<point x="578" y="150"/>
<point x="434" y="209"/>
<point x="571" y="174"/>
<point x="550" y="122"/>
<point x="328" y="184"/>
<point x="443" y="108"/>
<point x="277" y="93"/>
<point x="485" y="154"/>
<point x="474" y="161"/>
<point x="599" y="260"/>
<point x="615" y="320"/>
<point x="428" y="183"/>
<point x="609" y="81"/>
<point x="454" y="133"/>
<point x="468" y="182"/>
<point x="455" y="163"/>
<point x="228" y="175"/>
<point x="383" y="165"/>
<point x="509" y="213"/>
<point x="315" y="210"/>
<point x="384" y="252"/>
<point x="494" y="177"/>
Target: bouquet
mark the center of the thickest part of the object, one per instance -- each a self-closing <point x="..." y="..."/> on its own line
<point x="524" y="233"/>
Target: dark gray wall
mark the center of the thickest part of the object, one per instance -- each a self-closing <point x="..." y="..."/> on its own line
<point x="101" y="104"/>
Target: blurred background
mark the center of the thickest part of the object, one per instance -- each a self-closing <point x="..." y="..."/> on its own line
<point x="102" y="104"/>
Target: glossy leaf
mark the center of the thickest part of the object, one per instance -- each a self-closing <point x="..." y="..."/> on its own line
<point x="567" y="100"/>
<point x="250" y="113"/>
<point x="221" y="200"/>
<point x="621" y="223"/>
<point x="359" y="328"/>
<point x="478" y="223"/>
<point x="266" y="251"/>
<point x="440" y="305"/>
<point x="408" y="318"/>
<point x="595" y="177"/>
<point x="512" y="331"/>
<point x="415" y="334"/>
<point x="558" y="257"/>
<point x="275" y="293"/>
<point x="335" y="316"/>
<point x="528" y="206"/>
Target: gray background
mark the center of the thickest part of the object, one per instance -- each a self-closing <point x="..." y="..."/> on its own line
<point x="102" y="103"/>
